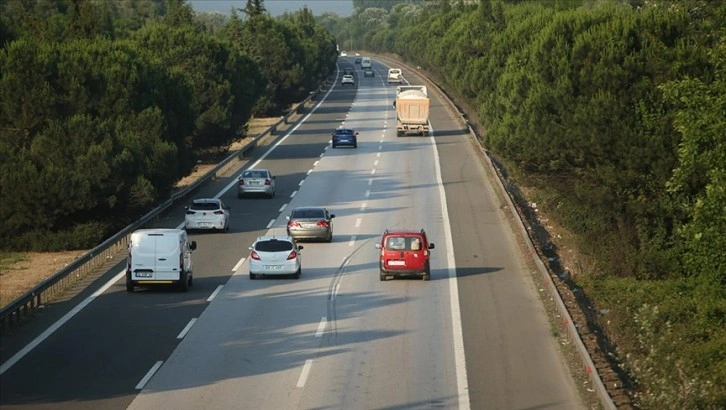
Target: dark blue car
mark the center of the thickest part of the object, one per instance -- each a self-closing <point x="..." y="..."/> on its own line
<point x="345" y="136"/>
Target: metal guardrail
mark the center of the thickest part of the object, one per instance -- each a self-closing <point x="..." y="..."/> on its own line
<point x="572" y="334"/>
<point x="27" y="303"/>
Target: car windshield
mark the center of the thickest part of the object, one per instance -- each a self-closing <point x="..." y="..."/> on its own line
<point x="344" y="132"/>
<point x="204" y="206"/>
<point x="273" y="245"/>
<point x="308" y="213"/>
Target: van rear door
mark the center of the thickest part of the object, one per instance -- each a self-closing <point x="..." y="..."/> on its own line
<point x="169" y="257"/>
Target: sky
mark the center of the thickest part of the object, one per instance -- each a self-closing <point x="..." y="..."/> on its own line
<point x="343" y="8"/>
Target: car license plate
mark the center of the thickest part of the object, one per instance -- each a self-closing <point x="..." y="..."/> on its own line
<point x="273" y="267"/>
<point x="143" y="274"/>
<point x="309" y="225"/>
<point x="204" y="224"/>
<point x="254" y="182"/>
<point x="396" y="263"/>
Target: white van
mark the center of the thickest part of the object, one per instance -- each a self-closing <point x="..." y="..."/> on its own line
<point x="159" y="256"/>
<point x="365" y="62"/>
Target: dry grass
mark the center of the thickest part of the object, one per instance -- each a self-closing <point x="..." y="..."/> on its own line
<point x="20" y="272"/>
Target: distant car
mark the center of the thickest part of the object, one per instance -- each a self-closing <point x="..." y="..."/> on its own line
<point x="315" y="223"/>
<point x="395" y="76"/>
<point x="347" y="79"/>
<point x="357" y="60"/>
<point x="256" y="181"/>
<point x="348" y="71"/>
<point x="275" y="255"/>
<point x="343" y="54"/>
<point x="344" y="136"/>
<point x="368" y="72"/>
<point x="404" y="253"/>
<point x="207" y="213"/>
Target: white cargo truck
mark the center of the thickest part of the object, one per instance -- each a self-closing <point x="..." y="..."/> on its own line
<point x="412" y="110"/>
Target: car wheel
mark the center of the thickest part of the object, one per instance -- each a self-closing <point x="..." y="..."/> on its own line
<point x="427" y="272"/>
<point x="129" y="285"/>
<point x="184" y="282"/>
<point x="329" y="238"/>
<point x="253" y="276"/>
<point x="334" y="146"/>
<point x="191" y="279"/>
<point x="355" y="145"/>
<point x="382" y="277"/>
<point x="298" y="273"/>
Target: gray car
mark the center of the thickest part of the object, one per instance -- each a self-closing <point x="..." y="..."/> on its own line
<point x="313" y="223"/>
<point x="256" y="182"/>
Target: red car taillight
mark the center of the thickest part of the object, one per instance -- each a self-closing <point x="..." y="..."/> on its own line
<point x="219" y="212"/>
<point x="254" y="256"/>
<point x="268" y="182"/>
<point x="293" y="224"/>
<point x="323" y="224"/>
<point x="292" y="255"/>
<point x="241" y="182"/>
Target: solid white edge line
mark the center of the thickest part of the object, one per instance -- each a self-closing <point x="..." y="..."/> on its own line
<point x="149" y="375"/>
<point x="462" y="382"/>
<point x="188" y="326"/>
<point x="38" y="340"/>
<point x="321" y="326"/>
<point x="282" y="208"/>
<point x="219" y="289"/>
<point x="269" y="224"/>
<point x="30" y="346"/>
<point x="305" y="372"/>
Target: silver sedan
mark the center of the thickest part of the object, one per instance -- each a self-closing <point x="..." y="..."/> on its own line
<point x="315" y="223"/>
<point x="256" y="181"/>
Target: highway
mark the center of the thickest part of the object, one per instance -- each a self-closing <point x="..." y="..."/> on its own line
<point x="475" y="336"/>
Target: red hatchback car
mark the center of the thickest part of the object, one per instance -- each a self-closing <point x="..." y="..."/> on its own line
<point x="404" y="253"/>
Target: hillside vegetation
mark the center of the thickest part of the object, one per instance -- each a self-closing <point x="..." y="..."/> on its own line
<point x="106" y="104"/>
<point x="615" y="113"/>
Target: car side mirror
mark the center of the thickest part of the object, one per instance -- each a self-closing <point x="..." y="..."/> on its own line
<point x="332" y="216"/>
<point x="193" y="245"/>
<point x="431" y="246"/>
<point x="356" y="134"/>
<point x="300" y="248"/>
<point x="378" y="246"/>
<point x="251" y="248"/>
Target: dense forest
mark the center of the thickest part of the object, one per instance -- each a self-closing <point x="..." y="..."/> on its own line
<point x="614" y="112"/>
<point x="106" y="104"/>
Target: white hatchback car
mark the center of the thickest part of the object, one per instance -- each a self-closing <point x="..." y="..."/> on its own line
<point x="207" y="213"/>
<point x="275" y="255"/>
<point x="347" y="79"/>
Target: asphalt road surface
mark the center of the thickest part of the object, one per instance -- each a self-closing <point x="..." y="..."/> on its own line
<point x="475" y="336"/>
